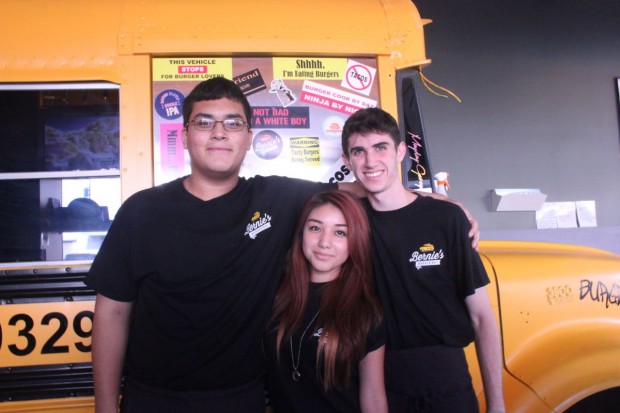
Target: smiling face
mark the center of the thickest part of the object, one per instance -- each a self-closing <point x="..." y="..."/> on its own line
<point x="325" y="242"/>
<point x="374" y="159"/>
<point x="218" y="153"/>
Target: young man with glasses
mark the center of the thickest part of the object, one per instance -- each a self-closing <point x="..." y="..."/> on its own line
<point x="187" y="273"/>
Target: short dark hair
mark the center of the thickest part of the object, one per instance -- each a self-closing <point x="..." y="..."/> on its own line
<point x="214" y="89"/>
<point x="369" y="120"/>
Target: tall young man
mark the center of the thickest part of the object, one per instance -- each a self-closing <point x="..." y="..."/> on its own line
<point x="186" y="276"/>
<point x="430" y="280"/>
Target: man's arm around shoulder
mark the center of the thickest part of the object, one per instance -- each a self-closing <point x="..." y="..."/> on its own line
<point x="474" y="232"/>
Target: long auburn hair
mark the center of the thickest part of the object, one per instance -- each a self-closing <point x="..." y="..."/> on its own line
<point x="348" y="307"/>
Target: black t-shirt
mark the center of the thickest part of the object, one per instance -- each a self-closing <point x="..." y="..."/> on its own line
<point x="203" y="275"/>
<point x="424" y="268"/>
<point x="307" y="395"/>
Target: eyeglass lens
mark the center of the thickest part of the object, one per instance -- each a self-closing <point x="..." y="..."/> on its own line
<point x="207" y="124"/>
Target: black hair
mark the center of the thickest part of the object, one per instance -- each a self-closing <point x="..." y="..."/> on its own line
<point x="214" y="89"/>
<point x="369" y="120"/>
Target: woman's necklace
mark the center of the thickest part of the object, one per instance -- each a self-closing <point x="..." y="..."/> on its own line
<point x="295" y="374"/>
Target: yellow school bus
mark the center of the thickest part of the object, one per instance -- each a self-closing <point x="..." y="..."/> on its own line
<point x="90" y="97"/>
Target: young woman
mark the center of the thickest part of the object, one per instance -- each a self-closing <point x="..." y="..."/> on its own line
<point x="325" y="345"/>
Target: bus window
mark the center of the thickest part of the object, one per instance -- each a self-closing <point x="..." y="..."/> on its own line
<point x="59" y="169"/>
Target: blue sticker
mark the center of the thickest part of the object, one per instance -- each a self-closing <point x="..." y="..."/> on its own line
<point x="169" y="104"/>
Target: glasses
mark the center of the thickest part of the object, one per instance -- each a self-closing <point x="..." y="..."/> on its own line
<point x="207" y="124"/>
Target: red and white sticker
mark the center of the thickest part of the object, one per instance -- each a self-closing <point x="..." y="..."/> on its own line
<point x="359" y="77"/>
<point x="334" y="99"/>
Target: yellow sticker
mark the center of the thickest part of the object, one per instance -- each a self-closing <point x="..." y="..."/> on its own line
<point x="191" y="68"/>
<point x="305" y="151"/>
<point x="309" y="68"/>
<point x="46" y="333"/>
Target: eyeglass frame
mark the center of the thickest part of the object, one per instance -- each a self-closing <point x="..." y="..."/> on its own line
<point x="215" y="122"/>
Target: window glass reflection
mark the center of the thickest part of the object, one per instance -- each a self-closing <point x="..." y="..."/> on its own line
<point x="59" y="169"/>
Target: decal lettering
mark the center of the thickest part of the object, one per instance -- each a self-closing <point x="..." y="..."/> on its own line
<point x="426" y="256"/>
<point x="24" y="339"/>
<point x="560" y="294"/>
<point x="600" y="292"/>
<point x="259" y="224"/>
<point x="416" y="155"/>
<point x="274" y="117"/>
<point x="340" y="175"/>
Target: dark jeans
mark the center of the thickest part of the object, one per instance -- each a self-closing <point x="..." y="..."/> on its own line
<point x="429" y="379"/>
<point x="139" y="398"/>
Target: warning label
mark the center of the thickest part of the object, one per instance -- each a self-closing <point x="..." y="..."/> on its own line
<point x="306" y="151"/>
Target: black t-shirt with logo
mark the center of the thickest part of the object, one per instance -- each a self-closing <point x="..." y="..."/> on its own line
<point x="424" y="268"/>
<point x="307" y="394"/>
<point x="203" y="275"/>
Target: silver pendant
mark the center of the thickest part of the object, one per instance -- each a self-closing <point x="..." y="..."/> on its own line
<point x="295" y="375"/>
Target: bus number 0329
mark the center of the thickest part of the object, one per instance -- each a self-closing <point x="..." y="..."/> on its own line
<point x="26" y="341"/>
